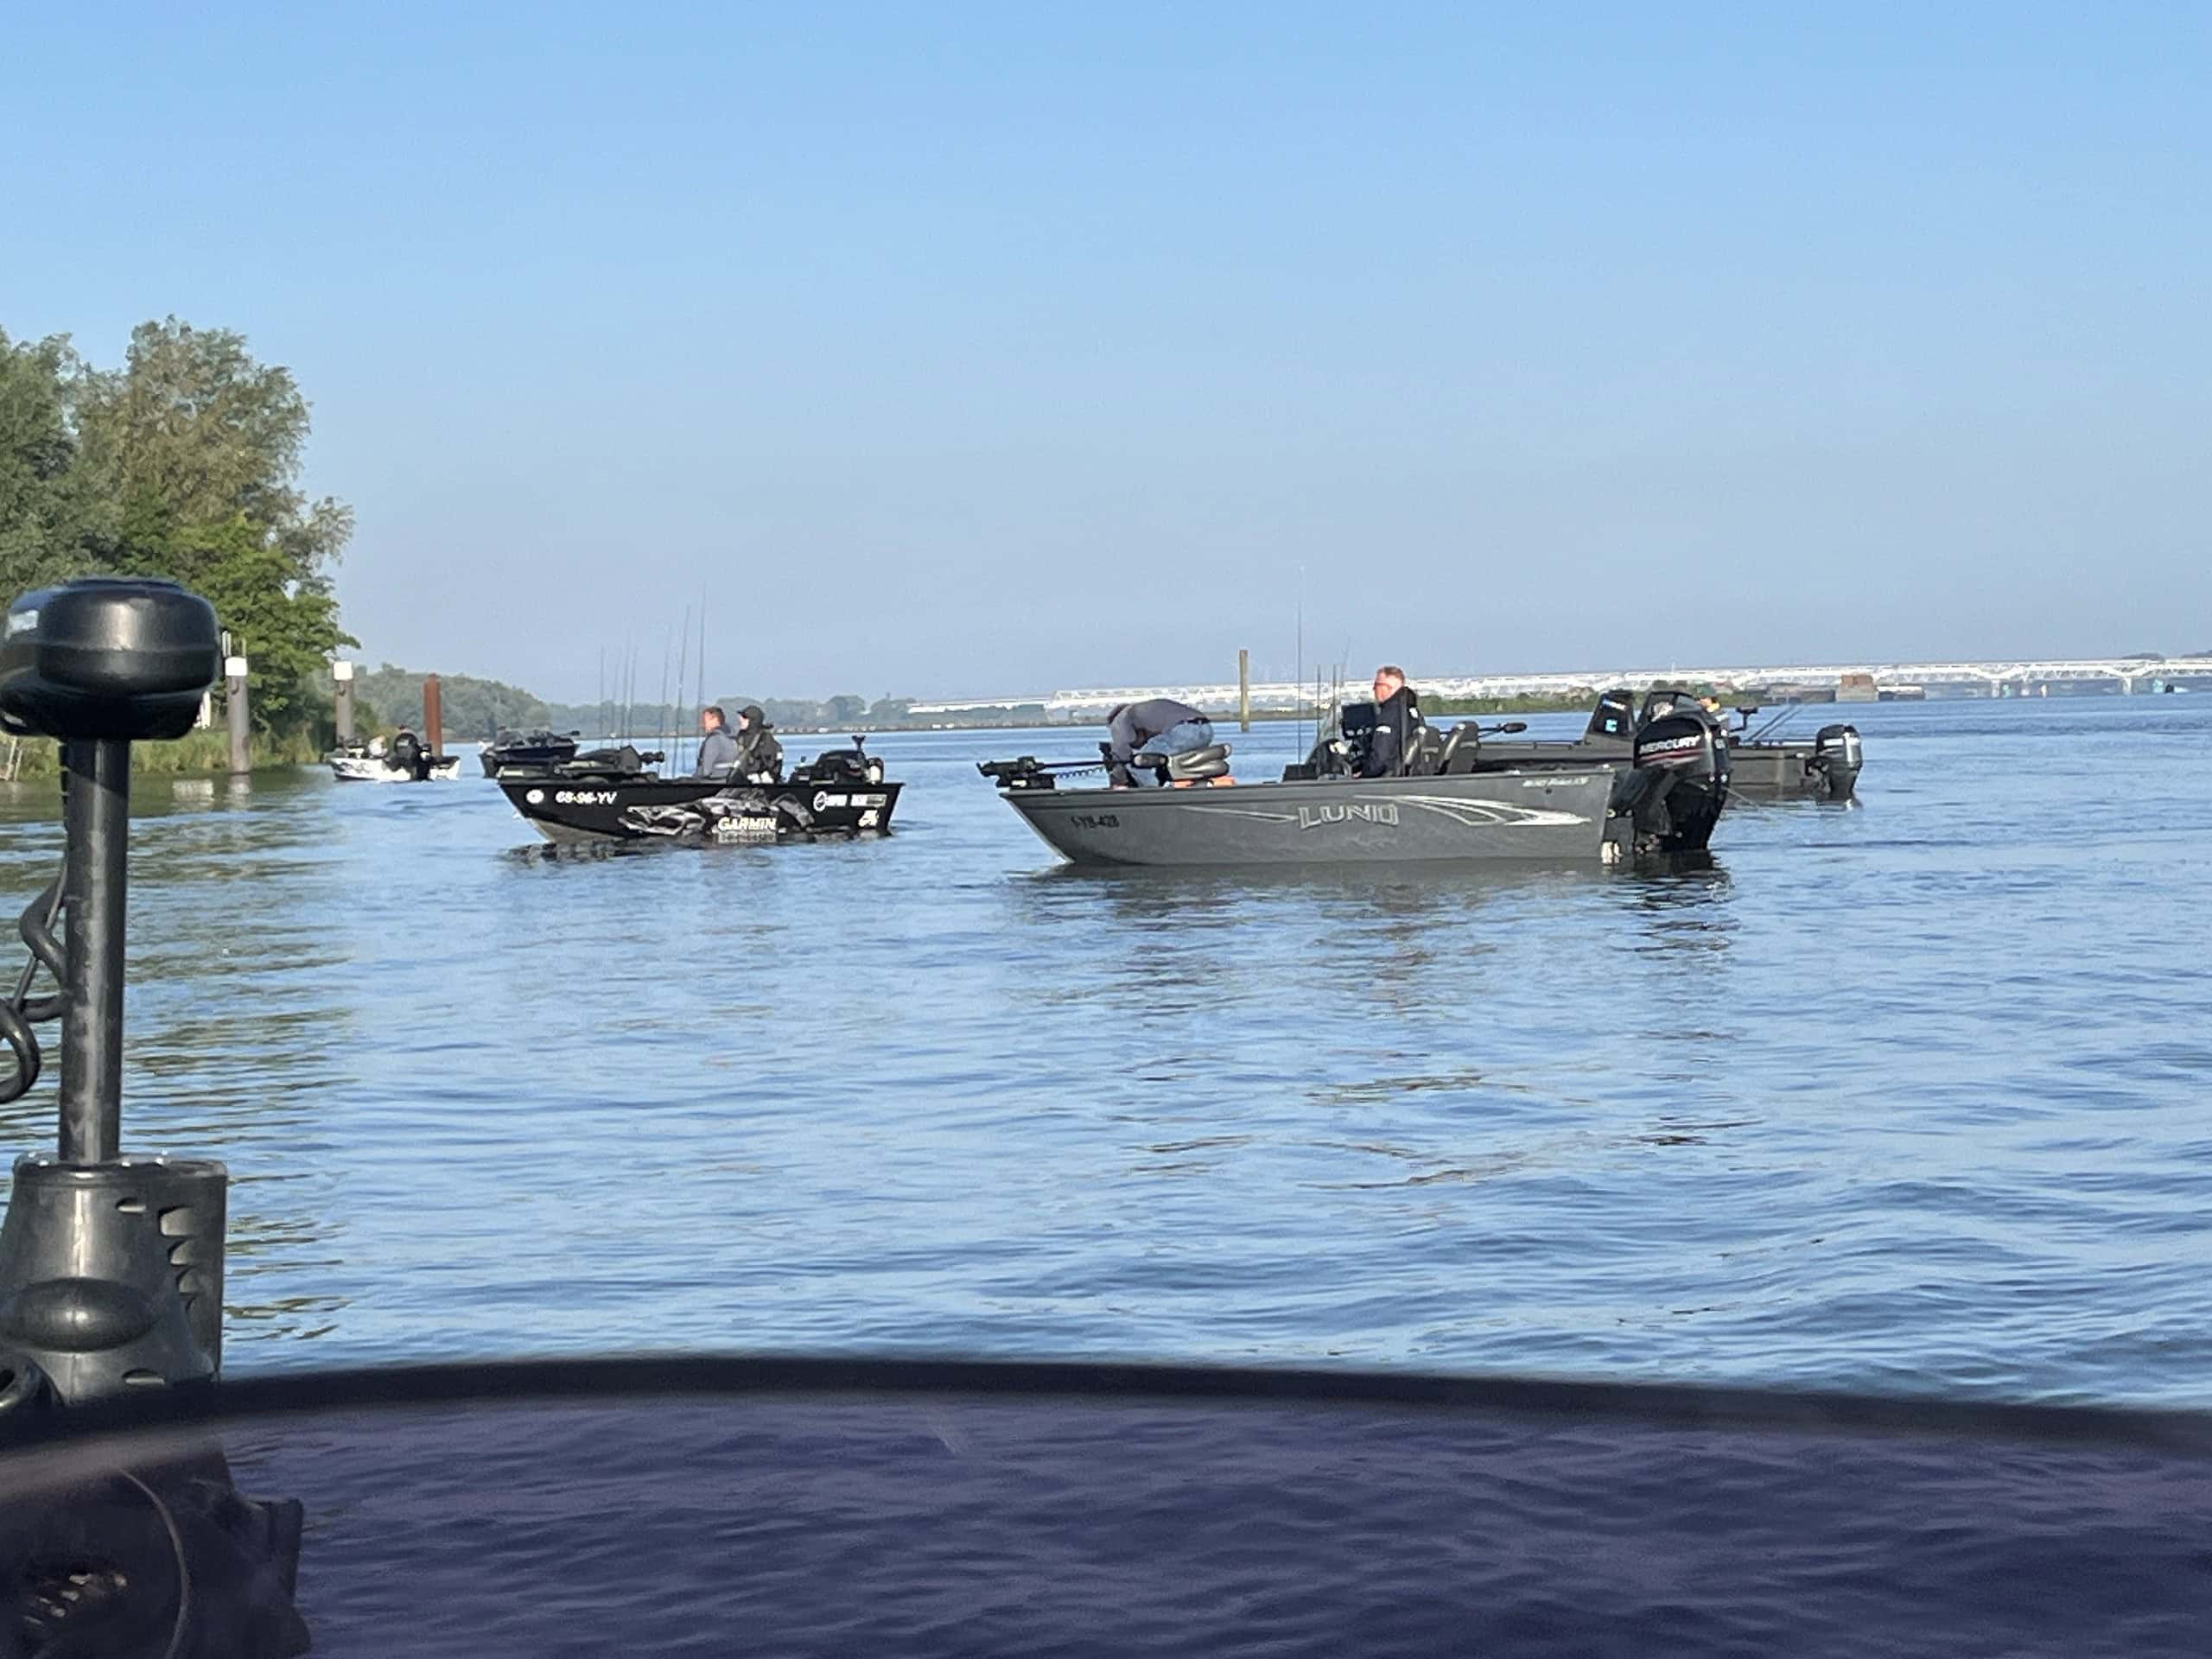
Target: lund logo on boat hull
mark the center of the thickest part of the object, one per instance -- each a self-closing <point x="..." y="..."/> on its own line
<point x="1312" y="817"/>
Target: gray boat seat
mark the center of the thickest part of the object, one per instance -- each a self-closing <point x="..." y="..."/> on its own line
<point x="1424" y="755"/>
<point x="1197" y="766"/>
<point x="1462" y="748"/>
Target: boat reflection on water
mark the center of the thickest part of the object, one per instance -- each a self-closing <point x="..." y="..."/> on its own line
<point x="1198" y="897"/>
<point x="911" y="1508"/>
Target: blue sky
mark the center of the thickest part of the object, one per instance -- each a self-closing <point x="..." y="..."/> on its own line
<point x="991" y="348"/>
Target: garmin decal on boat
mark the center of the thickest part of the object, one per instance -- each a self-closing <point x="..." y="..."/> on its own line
<point x="1312" y="817"/>
<point x="585" y="796"/>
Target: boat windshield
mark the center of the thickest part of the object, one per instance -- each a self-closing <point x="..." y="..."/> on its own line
<point x="841" y="1507"/>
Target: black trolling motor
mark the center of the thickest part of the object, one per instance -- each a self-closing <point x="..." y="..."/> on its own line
<point x="111" y="1266"/>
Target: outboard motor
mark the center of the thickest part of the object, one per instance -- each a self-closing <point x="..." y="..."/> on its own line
<point x="1614" y="717"/>
<point x="854" y="768"/>
<point x="1664" y="700"/>
<point x="111" y="1266"/>
<point x="405" y="753"/>
<point x="1678" y="784"/>
<point x="534" y="750"/>
<point x="1836" y="758"/>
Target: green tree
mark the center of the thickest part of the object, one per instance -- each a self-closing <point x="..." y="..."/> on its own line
<point x="286" y="628"/>
<point x="45" y="512"/>
<point x="471" y="707"/>
<point x="193" y="450"/>
<point x="192" y="430"/>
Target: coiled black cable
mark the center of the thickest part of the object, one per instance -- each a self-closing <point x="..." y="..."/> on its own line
<point x="20" y="1010"/>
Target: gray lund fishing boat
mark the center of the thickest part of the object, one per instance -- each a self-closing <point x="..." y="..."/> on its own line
<point x="1662" y="796"/>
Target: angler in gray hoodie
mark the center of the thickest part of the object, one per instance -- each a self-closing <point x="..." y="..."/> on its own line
<point x="717" y="748"/>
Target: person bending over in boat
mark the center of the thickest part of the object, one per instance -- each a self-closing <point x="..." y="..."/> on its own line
<point x="1397" y="719"/>
<point x="1156" y="726"/>
<point x="717" y="748"/>
<point x="759" y="757"/>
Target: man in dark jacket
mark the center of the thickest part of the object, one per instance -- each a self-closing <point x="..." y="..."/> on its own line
<point x="1156" y="726"/>
<point x="759" y="757"/>
<point x="1397" y="717"/>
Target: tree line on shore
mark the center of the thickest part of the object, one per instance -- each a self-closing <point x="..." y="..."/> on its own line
<point x="183" y="462"/>
<point x="471" y="707"/>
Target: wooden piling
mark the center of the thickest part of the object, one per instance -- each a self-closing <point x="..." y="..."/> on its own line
<point x="1244" y="691"/>
<point x="434" y="722"/>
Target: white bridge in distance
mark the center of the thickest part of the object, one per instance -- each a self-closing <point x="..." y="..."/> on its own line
<point x="2126" y="674"/>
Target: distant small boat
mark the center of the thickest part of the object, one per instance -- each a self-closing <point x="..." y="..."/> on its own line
<point x="406" y="760"/>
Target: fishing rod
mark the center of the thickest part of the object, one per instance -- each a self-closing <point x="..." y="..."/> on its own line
<point x="629" y="682"/>
<point x="1788" y="713"/>
<point x="660" y="719"/>
<point x="683" y="668"/>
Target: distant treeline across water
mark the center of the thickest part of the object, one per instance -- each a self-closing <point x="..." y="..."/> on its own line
<point x="389" y="697"/>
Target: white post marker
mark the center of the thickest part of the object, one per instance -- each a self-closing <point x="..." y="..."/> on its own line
<point x="235" y="672"/>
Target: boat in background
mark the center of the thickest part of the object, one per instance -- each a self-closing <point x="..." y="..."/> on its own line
<point x="1760" y="766"/>
<point x="406" y="760"/>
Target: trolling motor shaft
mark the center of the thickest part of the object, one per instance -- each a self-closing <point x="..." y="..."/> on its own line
<point x="96" y="817"/>
<point x="110" y="1268"/>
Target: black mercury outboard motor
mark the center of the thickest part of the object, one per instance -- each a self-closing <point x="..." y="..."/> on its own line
<point x="111" y="1266"/>
<point x="1837" y="757"/>
<point x="1679" y="783"/>
<point x="408" y="754"/>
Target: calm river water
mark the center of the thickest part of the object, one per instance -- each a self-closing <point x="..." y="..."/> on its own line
<point x="1909" y="1094"/>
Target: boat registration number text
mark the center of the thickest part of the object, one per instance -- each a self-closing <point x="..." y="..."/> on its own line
<point x="585" y="796"/>
<point x="746" y="827"/>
